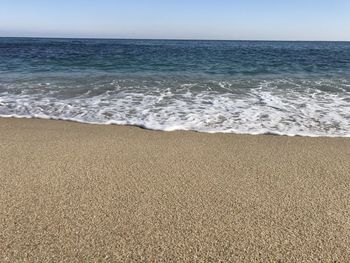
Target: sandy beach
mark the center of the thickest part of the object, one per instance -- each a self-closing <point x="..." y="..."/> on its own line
<point x="74" y="192"/>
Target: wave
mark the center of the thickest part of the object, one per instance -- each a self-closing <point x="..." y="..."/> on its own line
<point x="284" y="106"/>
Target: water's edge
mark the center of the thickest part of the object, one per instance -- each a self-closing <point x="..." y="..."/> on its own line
<point x="173" y="130"/>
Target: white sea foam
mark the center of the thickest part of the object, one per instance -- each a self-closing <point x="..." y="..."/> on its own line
<point x="281" y="107"/>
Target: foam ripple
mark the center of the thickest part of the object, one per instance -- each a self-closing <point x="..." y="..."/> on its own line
<point x="279" y="106"/>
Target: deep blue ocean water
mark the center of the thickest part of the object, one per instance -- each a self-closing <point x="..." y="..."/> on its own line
<point x="254" y="87"/>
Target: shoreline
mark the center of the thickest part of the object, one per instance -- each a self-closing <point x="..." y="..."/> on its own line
<point x="79" y="192"/>
<point x="174" y="130"/>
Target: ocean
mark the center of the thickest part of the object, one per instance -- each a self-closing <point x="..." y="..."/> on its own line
<point x="245" y="87"/>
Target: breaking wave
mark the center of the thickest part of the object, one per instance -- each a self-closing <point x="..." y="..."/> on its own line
<point x="305" y="107"/>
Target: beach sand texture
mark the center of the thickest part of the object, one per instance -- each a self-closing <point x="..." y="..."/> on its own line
<point x="73" y="192"/>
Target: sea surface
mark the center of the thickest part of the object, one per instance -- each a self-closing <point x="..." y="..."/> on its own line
<point x="250" y="87"/>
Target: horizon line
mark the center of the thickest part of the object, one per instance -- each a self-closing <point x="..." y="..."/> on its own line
<point x="172" y="39"/>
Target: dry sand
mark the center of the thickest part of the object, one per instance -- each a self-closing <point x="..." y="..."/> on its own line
<point x="84" y="193"/>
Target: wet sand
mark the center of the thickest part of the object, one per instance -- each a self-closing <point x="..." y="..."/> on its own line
<point x="85" y="193"/>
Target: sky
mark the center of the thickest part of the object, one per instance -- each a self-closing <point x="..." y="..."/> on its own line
<point x="178" y="19"/>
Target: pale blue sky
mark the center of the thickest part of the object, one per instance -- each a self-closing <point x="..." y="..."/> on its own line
<point x="185" y="19"/>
